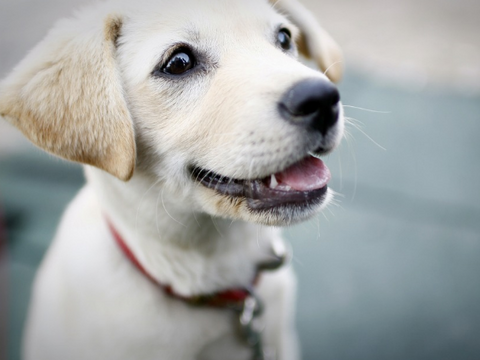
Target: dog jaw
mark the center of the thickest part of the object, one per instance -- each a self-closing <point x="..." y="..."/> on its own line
<point x="237" y="208"/>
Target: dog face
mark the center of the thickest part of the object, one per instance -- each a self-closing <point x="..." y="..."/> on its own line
<point x="223" y="113"/>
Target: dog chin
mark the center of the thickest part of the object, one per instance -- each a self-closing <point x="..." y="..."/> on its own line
<point x="285" y="215"/>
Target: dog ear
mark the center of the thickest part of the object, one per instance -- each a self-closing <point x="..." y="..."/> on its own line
<point x="314" y="42"/>
<point x="66" y="97"/>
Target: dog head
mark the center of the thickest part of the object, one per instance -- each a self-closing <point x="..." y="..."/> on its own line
<point x="208" y="97"/>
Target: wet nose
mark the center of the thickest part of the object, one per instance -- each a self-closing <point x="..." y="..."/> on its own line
<point x="312" y="103"/>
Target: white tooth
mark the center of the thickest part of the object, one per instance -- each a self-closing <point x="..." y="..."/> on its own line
<point x="288" y="188"/>
<point x="273" y="181"/>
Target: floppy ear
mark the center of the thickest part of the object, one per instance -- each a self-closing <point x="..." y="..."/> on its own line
<point x="66" y="97"/>
<point x="314" y="42"/>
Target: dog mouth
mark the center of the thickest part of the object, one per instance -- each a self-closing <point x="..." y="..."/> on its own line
<point x="301" y="184"/>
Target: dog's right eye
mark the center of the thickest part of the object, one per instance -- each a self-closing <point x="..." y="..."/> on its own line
<point x="284" y="38"/>
<point x="179" y="63"/>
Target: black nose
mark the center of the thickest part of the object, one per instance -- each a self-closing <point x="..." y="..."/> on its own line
<point x="312" y="103"/>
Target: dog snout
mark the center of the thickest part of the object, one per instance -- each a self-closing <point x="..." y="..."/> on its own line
<point x="313" y="104"/>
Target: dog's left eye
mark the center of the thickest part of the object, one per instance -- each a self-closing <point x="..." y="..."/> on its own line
<point x="284" y="38"/>
<point x="179" y="63"/>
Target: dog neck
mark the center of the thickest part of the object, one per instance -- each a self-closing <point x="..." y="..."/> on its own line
<point x="179" y="246"/>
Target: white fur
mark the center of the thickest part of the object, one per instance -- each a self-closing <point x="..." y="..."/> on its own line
<point x="89" y="302"/>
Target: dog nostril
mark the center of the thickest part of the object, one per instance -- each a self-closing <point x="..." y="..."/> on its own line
<point x="306" y="108"/>
<point x="312" y="103"/>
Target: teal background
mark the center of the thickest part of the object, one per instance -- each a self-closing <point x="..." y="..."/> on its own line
<point x="391" y="271"/>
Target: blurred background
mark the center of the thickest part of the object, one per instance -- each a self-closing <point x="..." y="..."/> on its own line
<point x="392" y="271"/>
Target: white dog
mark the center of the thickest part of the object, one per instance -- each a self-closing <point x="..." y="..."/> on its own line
<point x="197" y="126"/>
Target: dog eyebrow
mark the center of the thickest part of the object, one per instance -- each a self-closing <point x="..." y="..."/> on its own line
<point x="192" y="34"/>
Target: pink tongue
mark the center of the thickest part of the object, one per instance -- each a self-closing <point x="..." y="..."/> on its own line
<point x="309" y="174"/>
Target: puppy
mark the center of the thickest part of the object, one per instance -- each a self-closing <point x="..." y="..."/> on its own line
<point x="197" y="126"/>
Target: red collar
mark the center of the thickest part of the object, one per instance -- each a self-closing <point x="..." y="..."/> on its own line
<point x="234" y="298"/>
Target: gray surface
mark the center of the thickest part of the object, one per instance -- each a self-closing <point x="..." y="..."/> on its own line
<point x="34" y="189"/>
<point x="391" y="272"/>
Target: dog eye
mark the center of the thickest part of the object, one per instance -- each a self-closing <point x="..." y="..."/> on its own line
<point x="284" y="39"/>
<point x="179" y="63"/>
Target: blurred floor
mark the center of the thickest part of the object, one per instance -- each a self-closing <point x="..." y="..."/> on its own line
<point x="390" y="273"/>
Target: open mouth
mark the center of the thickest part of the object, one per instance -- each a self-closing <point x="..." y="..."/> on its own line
<point x="302" y="184"/>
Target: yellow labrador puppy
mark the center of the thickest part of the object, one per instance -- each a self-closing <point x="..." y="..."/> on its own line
<point x="197" y="126"/>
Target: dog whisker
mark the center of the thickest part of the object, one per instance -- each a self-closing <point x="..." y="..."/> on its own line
<point x="348" y="135"/>
<point x="355" y="167"/>
<point x="331" y="66"/>
<point x="317" y="226"/>
<point x="336" y="204"/>
<point x="137" y="212"/>
<point x="211" y="179"/>
<point x="368" y="110"/>
<point x="349" y="121"/>
<point x="297" y="261"/>
<point x="156" y="214"/>
<point x="335" y="195"/>
<point x="216" y="226"/>
<point x="325" y="216"/>
<point x="329" y="209"/>
<point x="165" y="208"/>
<point x="277" y="8"/>
<point x="195" y="217"/>
<point x="204" y="176"/>
<point x="222" y="180"/>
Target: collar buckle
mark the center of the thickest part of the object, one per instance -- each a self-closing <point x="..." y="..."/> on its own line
<point x="251" y="326"/>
